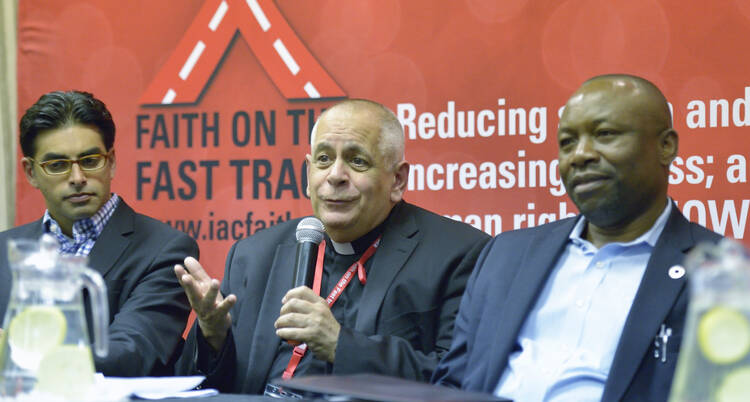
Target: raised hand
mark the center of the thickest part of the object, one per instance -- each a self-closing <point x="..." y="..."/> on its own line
<point x="306" y="317"/>
<point x="211" y="308"/>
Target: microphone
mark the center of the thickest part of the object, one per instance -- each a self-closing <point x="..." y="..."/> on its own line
<point x="309" y="234"/>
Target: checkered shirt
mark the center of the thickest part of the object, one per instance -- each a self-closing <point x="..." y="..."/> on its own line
<point x="85" y="231"/>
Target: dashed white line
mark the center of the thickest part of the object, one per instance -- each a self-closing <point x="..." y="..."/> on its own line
<point x="311" y="91"/>
<point x="218" y="16"/>
<point x="190" y="63"/>
<point x="169" y="97"/>
<point x="260" y="16"/>
<point x="286" y="56"/>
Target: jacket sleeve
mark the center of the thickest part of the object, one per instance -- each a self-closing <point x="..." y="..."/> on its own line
<point x="198" y="358"/>
<point x="391" y="353"/>
<point x="452" y="368"/>
<point x="145" y="335"/>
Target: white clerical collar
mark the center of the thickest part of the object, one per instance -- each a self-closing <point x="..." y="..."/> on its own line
<point x="342" y="248"/>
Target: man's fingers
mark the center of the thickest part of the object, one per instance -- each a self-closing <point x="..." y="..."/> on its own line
<point x="193" y="291"/>
<point x="291" y="320"/>
<point x="189" y="280"/>
<point x="296" y="306"/>
<point x="204" y="297"/>
<point x="195" y="269"/>
<point x="292" y="327"/>
<point x="295" y="334"/>
<point x="225" y="305"/>
<point x="183" y="277"/>
<point x="303" y="293"/>
<point x="212" y="296"/>
<point x="179" y="271"/>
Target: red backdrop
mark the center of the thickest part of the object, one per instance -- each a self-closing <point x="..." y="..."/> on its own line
<point x="214" y="100"/>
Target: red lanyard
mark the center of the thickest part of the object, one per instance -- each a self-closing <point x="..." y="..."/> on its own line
<point x="359" y="266"/>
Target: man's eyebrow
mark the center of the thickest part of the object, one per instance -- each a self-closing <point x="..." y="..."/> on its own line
<point x="52" y="155"/>
<point x="321" y="146"/>
<point x="358" y="148"/>
<point x="562" y="129"/>
<point x="91" y="151"/>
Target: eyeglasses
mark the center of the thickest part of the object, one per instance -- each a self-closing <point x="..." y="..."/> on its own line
<point x="63" y="166"/>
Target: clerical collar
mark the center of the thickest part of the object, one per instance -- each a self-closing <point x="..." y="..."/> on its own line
<point x="358" y="246"/>
<point x="342" y="248"/>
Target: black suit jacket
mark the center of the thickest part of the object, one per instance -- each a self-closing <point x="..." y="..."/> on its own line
<point x="148" y="310"/>
<point x="511" y="273"/>
<point x="406" y="312"/>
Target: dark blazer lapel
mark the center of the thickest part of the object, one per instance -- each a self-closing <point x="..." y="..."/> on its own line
<point x="540" y="257"/>
<point x="265" y="342"/>
<point x="656" y="295"/>
<point x="31" y="231"/>
<point x="397" y="244"/>
<point x="114" y="239"/>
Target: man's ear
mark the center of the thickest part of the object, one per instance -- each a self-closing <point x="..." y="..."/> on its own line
<point x="112" y="163"/>
<point x="28" y="170"/>
<point x="308" y="157"/>
<point x="401" y="179"/>
<point x="668" y="146"/>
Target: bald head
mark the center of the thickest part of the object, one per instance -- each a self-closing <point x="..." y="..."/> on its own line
<point x="651" y="103"/>
<point x="391" y="141"/>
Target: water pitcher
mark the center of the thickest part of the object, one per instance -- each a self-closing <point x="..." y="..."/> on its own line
<point x="714" y="360"/>
<point x="45" y="348"/>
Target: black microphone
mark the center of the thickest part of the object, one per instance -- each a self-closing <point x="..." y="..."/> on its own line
<point x="309" y="234"/>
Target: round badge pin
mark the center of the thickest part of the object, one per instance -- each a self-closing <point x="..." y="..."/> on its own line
<point x="676" y="272"/>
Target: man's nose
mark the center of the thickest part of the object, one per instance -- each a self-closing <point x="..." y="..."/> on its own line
<point x="584" y="151"/>
<point x="76" y="175"/>
<point x="338" y="173"/>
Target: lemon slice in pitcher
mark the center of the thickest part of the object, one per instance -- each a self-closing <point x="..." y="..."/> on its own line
<point x="66" y="370"/>
<point x="735" y="387"/>
<point x="724" y="335"/>
<point x="33" y="332"/>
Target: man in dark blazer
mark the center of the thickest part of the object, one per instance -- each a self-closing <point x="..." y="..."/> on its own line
<point x="67" y="140"/>
<point x="396" y="318"/>
<point x="590" y="307"/>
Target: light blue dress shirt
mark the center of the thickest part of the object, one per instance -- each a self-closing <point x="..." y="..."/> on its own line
<point x="569" y="339"/>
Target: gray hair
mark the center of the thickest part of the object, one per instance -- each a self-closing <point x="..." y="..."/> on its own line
<point x="391" y="144"/>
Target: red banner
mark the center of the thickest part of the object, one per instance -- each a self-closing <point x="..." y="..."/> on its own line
<point x="214" y="100"/>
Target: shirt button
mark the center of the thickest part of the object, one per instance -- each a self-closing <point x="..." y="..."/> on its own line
<point x="579" y="303"/>
<point x="600" y="264"/>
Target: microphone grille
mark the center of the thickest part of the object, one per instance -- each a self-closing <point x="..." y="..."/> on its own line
<point x="309" y="229"/>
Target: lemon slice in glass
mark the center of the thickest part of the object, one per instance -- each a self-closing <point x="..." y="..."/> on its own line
<point x="735" y="387"/>
<point x="33" y="332"/>
<point x="66" y="370"/>
<point x="724" y="335"/>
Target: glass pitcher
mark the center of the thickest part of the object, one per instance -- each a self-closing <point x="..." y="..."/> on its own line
<point x="714" y="360"/>
<point x="45" y="346"/>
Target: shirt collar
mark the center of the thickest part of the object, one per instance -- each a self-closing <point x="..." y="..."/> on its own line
<point x="649" y="237"/>
<point x="358" y="246"/>
<point x="87" y="228"/>
<point x="342" y="248"/>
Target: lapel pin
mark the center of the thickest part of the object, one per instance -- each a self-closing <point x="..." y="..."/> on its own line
<point x="660" y="342"/>
<point x="676" y="272"/>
